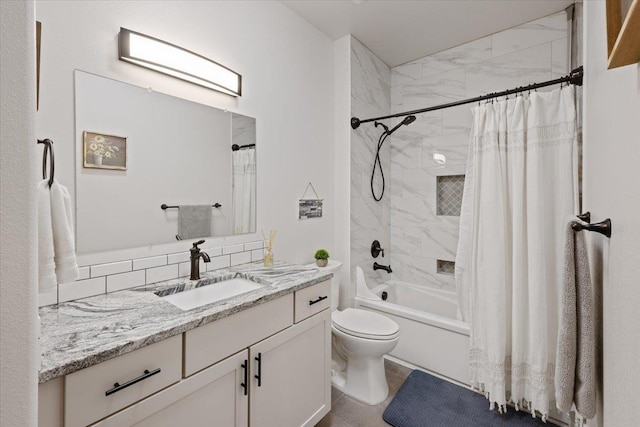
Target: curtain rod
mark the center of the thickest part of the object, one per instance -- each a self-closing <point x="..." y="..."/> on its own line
<point x="574" y="78"/>
<point x="236" y="147"/>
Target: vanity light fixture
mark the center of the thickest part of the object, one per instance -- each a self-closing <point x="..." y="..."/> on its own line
<point x="175" y="61"/>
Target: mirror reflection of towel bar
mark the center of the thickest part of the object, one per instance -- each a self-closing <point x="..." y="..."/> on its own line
<point x="164" y="206"/>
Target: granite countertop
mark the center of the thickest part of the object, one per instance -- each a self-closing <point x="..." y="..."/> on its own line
<point x="78" y="334"/>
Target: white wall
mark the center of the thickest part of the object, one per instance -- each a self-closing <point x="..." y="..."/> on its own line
<point x="342" y="162"/>
<point x="19" y="360"/>
<point x="612" y="189"/>
<point x="287" y="69"/>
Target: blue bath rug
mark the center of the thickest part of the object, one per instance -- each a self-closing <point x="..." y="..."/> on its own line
<point x="427" y="401"/>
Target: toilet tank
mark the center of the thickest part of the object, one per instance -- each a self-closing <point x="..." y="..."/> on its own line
<point x="334" y="267"/>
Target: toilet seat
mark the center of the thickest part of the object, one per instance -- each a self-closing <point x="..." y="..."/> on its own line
<point x="365" y="324"/>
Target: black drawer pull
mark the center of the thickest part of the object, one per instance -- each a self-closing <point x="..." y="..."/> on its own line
<point x="318" y="300"/>
<point x="246" y="376"/>
<point x="117" y="387"/>
<point x="259" y="375"/>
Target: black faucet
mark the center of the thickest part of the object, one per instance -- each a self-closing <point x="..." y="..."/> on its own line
<point x="386" y="268"/>
<point x="195" y="259"/>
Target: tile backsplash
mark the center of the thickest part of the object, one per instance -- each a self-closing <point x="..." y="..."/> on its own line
<point x="449" y="198"/>
<point x="115" y="276"/>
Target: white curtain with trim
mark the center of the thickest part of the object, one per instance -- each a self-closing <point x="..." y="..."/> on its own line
<point x="244" y="191"/>
<point x="521" y="189"/>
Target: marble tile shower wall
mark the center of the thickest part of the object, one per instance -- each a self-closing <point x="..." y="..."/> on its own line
<point x="370" y="97"/>
<point x="115" y="276"/>
<point x="532" y="52"/>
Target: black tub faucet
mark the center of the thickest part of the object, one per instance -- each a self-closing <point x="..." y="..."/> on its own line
<point x="195" y="259"/>
<point x="386" y="268"/>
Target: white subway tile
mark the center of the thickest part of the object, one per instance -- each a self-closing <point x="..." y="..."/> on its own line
<point x="257" y="255"/>
<point x="179" y="257"/>
<point x="213" y="251"/>
<point x="232" y="249"/>
<point x="117" y="282"/>
<point x="219" y="262"/>
<point x="240" y="258"/>
<point x="253" y="245"/>
<point x="85" y="273"/>
<point x="155" y="261"/>
<point x="158" y="274"/>
<point x="48" y="298"/>
<point x="111" y="268"/>
<point x="81" y="289"/>
<point x="184" y="268"/>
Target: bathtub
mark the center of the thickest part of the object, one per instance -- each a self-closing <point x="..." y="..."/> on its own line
<point x="430" y="335"/>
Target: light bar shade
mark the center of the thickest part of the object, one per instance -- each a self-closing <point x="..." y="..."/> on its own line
<point x="175" y="61"/>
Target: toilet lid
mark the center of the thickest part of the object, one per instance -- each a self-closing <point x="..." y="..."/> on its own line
<point x="365" y="324"/>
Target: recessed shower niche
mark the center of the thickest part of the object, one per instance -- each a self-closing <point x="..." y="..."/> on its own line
<point x="449" y="194"/>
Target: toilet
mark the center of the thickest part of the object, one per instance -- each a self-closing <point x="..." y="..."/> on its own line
<point x="360" y="339"/>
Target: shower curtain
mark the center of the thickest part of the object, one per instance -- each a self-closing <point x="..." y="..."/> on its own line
<point x="521" y="189"/>
<point x="244" y="191"/>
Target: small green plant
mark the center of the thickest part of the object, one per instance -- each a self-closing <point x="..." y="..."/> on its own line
<point x="321" y="254"/>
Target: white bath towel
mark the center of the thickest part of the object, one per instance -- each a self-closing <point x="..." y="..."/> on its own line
<point x="63" y="236"/>
<point x="575" y="361"/>
<point x="46" y="265"/>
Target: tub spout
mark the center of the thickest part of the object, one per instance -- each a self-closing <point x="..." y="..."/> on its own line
<point x="386" y="268"/>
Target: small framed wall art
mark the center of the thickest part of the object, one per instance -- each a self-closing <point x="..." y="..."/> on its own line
<point x="102" y="151"/>
<point x="310" y="208"/>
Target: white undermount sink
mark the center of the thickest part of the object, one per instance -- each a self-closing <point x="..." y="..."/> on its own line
<point x="211" y="293"/>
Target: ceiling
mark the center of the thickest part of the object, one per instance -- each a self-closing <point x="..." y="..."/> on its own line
<point x="400" y="31"/>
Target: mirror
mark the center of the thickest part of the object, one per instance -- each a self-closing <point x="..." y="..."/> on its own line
<point x="140" y="149"/>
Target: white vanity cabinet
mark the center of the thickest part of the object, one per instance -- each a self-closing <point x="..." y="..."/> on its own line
<point x="210" y="398"/>
<point x="291" y="379"/>
<point x="266" y="366"/>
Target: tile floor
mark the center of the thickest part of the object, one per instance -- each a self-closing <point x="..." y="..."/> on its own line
<point x="348" y="412"/>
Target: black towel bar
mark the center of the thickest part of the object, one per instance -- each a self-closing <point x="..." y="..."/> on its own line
<point x="602" y="227"/>
<point x="164" y="206"/>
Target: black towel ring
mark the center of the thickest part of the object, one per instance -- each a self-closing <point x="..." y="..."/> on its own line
<point x="48" y="149"/>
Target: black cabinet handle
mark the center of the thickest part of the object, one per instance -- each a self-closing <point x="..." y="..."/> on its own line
<point x="259" y="375"/>
<point x="318" y="300"/>
<point x="246" y="375"/>
<point x="117" y="387"/>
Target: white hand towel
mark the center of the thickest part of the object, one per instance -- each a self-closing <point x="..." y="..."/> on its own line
<point x="63" y="236"/>
<point x="46" y="266"/>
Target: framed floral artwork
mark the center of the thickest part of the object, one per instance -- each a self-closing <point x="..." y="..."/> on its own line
<point x="104" y="151"/>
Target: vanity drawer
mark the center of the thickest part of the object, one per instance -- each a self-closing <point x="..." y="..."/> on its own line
<point x="312" y="300"/>
<point x="86" y="400"/>
<point x="211" y="343"/>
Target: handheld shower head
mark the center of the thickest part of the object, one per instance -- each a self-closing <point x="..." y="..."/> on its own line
<point x="406" y="121"/>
